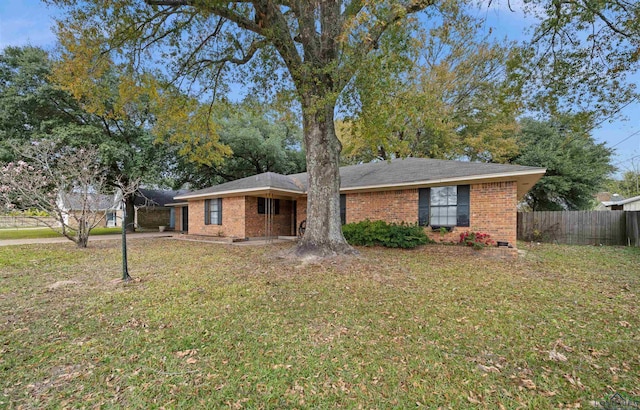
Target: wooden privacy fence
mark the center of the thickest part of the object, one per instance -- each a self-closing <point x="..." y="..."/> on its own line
<point x="581" y="227"/>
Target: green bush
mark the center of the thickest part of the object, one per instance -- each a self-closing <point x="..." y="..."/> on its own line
<point x="380" y="233"/>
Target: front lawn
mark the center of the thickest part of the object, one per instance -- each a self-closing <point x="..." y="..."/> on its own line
<point x="220" y="326"/>
<point x="30" y="233"/>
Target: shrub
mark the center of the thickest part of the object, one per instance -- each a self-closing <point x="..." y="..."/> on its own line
<point x="478" y="240"/>
<point x="380" y="233"/>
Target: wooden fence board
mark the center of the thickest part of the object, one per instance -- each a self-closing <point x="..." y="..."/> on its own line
<point x="633" y="228"/>
<point x="580" y="227"/>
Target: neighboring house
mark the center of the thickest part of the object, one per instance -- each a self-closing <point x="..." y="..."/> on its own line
<point x="605" y="199"/>
<point x="458" y="196"/>
<point x="108" y="207"/>
<point x="628" y="204"/>
<point x="152" y="210"/>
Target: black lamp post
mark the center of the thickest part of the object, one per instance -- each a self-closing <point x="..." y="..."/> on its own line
<point x="125" y="269"/>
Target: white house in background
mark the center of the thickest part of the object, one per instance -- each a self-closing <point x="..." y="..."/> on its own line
<point x="108" y="207"/>
<point x="629" y="204"/>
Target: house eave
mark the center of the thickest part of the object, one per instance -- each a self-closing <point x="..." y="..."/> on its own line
<point x="241" y="192"/>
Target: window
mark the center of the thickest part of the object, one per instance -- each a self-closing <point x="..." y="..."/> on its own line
<point x="111" y="219"/>
<point x="343" y="209"/>
<point x="272" y="204"/>
<point x="444" y="206"/>
<point x="213" y="211"/>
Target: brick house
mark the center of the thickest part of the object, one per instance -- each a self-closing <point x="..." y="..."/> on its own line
<point x="454" y="195"/>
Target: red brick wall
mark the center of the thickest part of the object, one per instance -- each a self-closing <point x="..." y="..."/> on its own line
<point x="492" y="208"/>
<point x="301" y="209"/>
<point x="178" y="220"/>
<point x="389" y="206"/>
<point x="255" y="222"/>
<point x="233" y="209"/>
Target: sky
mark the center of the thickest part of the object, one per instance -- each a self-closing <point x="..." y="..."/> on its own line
<point x="30" y="22"/>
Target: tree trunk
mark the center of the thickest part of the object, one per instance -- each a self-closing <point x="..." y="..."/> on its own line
<point x="323" y="235"/>
<point x="82" y="237"/>
<point x="82" y="241"/>
<point x="130" y="214"/>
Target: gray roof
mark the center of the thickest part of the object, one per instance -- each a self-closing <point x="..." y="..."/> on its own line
<point x="155" y="197"/>
<point x="621" y="201"/>
<point x="416" y="170"/>
<point x="397" y="172"/>
<point x="95" y="202"/>
<point x="267" y="180"/>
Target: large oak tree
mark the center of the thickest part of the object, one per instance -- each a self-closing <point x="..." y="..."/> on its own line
<point x="317" y="46"/>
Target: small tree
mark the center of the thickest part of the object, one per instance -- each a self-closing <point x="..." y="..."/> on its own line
<point x="66" y="183"/>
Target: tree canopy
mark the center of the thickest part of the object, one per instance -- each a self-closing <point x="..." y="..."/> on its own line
<point x="446" y="96"/>
<point x="577" y="167"/>
<point x="581" y="56"/>
<point x="261" y="140"/>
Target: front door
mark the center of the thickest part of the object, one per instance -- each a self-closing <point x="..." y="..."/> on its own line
<point x="185" y="219"/>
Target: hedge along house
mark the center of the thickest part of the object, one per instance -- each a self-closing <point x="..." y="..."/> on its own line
<point x="456" y="196"/>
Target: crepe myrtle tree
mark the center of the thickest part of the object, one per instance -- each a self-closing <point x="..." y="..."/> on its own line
<point x="66" y="183"/>
<point x="310" y="49"/>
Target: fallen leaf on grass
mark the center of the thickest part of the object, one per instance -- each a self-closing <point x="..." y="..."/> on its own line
<point x="188" y="352"/>
<point x="192" y="360"/>
<point x="624" y="323"/>
<point x="488" y="369"/>
<point x="473" y="398"/>
<point x="556" y="356"/>
<point x="575" y="381"/>
<point x="528" y="383"/>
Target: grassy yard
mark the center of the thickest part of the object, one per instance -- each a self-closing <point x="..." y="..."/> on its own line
<point x="12" y="233"/>
<point x="220" y="326"/>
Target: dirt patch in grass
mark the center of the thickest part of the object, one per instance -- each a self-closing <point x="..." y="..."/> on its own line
<point x="217" y="326"/>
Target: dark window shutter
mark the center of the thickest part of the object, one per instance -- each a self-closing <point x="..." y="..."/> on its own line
<point x="276" y="207"/>
<point x="207" y="211"/>
<point x="463" y="205"/>
<point x="343" y="209"/>
<point x="261" y="205"/>
<point x="423" y="206"/>
<point x="219" y="211"/>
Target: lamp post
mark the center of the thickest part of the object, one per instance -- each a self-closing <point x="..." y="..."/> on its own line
<point x="125" y="269"/>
